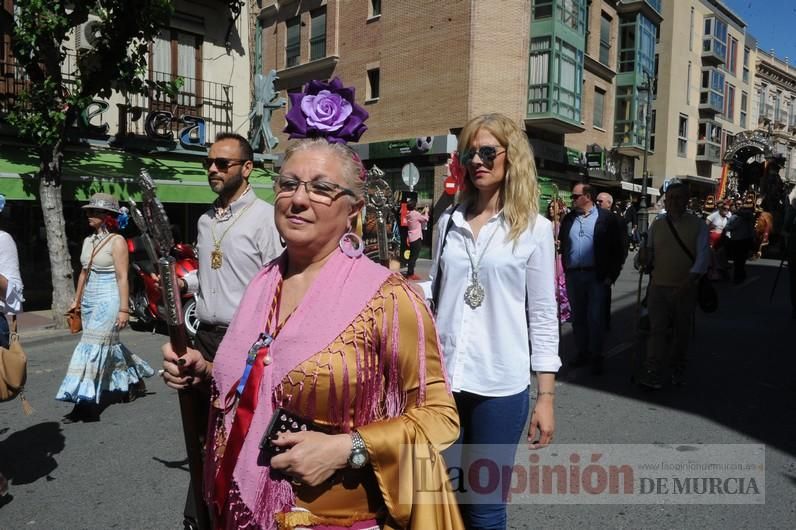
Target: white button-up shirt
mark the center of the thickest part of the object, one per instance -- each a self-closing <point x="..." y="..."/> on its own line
<point x="486" y="349"/>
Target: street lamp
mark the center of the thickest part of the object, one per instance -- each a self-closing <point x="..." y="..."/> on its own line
<point x="646" y="87"/>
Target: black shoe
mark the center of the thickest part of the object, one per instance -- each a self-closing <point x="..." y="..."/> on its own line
<point x="650" y="381"/>
<point x="596" y="366"/>
<point x="678" y="379"/>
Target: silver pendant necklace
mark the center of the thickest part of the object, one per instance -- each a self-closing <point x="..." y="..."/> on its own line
<point x="475" y="293"/>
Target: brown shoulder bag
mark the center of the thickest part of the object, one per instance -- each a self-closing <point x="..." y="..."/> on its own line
<point x="14" y="369"/>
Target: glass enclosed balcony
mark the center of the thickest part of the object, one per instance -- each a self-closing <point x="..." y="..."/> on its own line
<point x="709" y="141"/>
<point x="714" y="42"/>
<point x="711" y="96"/>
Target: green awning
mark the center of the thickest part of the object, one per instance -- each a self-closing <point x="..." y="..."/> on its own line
<point x="178" y="179"/>
<point x="546" y="191"/>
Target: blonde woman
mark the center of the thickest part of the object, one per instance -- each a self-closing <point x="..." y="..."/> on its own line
<point x="493" y="265"/>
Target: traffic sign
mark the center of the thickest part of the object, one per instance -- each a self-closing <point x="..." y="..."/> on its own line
<point x="410" y="175"/>
<point x="450" y="186"/>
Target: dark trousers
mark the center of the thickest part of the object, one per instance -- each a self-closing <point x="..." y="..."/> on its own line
<point x="207" y="341"/>
<point x="5" y="332"/>
<point x="588" y="297"/>
<point x="739" y="253"/>
<point x="490" y="428"/>
<point x="414" y="253"/>
<point x="671" y="312"/>
<point x="792" y="271"/>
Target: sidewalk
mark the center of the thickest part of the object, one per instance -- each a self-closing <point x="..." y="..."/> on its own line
<point x="34" y="325"/>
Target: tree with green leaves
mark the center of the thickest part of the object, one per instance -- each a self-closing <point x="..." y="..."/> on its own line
<point x="117" y="61"/>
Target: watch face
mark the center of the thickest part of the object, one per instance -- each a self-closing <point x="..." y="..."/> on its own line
<point x="358" y="459"/>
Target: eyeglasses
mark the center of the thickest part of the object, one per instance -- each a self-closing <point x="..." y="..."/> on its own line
<point x="222" y="163"/>
<point x="599" y="201"/>
<point x="91" y="212"/>
<point x="321" y="191"/>
<point x="576" y="196"/>
<point x="487" y="154"/>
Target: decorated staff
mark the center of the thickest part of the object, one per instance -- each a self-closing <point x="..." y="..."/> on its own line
<point x="153" y="222"/>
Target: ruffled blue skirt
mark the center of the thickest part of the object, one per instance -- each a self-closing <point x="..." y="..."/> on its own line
<point x="101" y="363"/>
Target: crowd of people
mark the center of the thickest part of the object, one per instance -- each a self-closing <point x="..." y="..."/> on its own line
<point x="333" y="391"/>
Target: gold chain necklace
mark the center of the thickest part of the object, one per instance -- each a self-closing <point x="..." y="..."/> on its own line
<point x="217" y="256"/>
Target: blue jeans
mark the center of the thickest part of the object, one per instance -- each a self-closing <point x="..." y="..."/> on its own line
<point x="497" y="422"/>
<point x="4" y="331"/>
<point x="588" y="297"/>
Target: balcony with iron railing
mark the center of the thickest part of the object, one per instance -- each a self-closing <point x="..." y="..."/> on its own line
<point x="781" y="117"/>
<point x="14" y="81"/>
<point x="198" y="98"/>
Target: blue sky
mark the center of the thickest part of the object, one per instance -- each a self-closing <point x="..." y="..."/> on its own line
<point x="771" y="22"/>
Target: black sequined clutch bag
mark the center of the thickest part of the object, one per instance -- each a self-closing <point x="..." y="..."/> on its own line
<point x="284" y="421"/>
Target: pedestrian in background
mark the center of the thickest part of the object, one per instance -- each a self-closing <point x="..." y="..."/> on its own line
<point x="10" y="281"/>
<point x="102" y="369"/>
<point x="592" y="248"/>
<point x="630" y="216"/>
<point x="556" y="210"/>
<point x="496" y="268"/>
<point x="416" y="222"/>
<point x="236" y="238"/>
<point x="677" y="254"/>
<point x="789" y="228"/>
<point x="740" y="231"/>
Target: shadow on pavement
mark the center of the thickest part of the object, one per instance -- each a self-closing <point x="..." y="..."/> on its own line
<point x="28" y="455"/>
<point x="742" y="360"/>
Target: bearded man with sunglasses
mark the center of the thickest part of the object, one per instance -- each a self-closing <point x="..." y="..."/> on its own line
<point x="591" y="243"/>
<point x="236" y="238"/>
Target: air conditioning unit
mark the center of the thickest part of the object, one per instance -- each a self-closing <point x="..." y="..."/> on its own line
<point x="86" y="33"/>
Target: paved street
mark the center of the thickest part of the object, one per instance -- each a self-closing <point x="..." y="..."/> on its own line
<point x="128" y="470"/>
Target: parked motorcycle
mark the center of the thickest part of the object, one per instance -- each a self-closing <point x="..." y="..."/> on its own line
<point x="145" y="296"/>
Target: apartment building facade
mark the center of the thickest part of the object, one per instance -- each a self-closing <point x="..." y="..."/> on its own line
<point x="422" y="72"/>
<point x="773" y="106"/>
<point x="705" y="74"/>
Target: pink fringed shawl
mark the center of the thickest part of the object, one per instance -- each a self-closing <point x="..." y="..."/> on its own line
<point x="340" y="292"/>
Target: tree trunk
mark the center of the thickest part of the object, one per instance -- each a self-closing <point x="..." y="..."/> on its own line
<point x="52" y="208"/>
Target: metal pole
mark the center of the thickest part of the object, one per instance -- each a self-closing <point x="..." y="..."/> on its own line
<point x="643" y="221"/>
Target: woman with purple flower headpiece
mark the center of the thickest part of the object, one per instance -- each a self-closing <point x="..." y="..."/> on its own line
<point x="329" y="400"/>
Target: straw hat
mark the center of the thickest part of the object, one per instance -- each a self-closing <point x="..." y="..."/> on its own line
<point x="102" y="201"/>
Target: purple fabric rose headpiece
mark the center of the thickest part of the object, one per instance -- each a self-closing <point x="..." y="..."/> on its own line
<point x="328" y="110"/>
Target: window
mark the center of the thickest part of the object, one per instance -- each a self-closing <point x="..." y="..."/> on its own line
<point x="682" y="136"/>
<point x="539" y="75"/>
<point x="688" y="85"/>
<point x="6" y="30"/>
<point x="729" y="102"/>
<point x="374" y="75"/>
<point x="653" y="120"/>
<point x="542" y="9"/>
<point x="627" y="45"/>
<point x="588" y="27"/>
<point x="746" y="65"/>
<point x="293" y="43"/>
<point x="573" y="14"/>
<point x="605" y="39"/>
<point x="732" y="55"/>
<point x="567" y="85"/>
<point x="177" y="54"/>
<point x="744" y="105"/>
<point x="318" y="34"/>
<point x="691" y="32"/>
<point x="374" y="8"/>
<point x="599" y="107"/>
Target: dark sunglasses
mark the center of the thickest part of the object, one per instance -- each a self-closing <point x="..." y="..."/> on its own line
<point x="575" y="196"/>
<point x="487" y="154"/>
<point x="222" y="163"/>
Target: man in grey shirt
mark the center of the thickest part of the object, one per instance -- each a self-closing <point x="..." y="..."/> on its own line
<point x="236" y="238"/>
